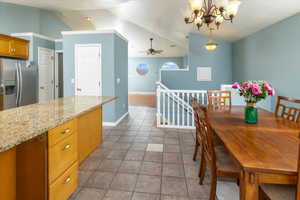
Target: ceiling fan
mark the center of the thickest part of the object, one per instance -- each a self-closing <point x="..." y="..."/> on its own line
<point x="152" y="51"/>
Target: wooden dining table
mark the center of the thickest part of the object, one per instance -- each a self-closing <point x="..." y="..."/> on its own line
<point x="266" y="152"/>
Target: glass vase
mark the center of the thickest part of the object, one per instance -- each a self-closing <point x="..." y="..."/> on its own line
<point x="251" y="113"/>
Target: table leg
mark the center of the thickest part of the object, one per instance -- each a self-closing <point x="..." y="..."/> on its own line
<point x="248" y="186"/>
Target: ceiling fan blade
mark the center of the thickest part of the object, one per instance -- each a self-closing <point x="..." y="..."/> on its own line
<point x="159" y="51"/>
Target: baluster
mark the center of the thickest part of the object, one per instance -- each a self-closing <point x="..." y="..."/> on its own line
<point x="164" y="108"/>
<point x="173" y="117"/>
<point x="158" y="114"/>
<point x="202" y="94"/>
<point x="183" y="110"/>
<point x="188" y="110"/>
<point x="178" y="110"/>
<point x="168" y="108"/>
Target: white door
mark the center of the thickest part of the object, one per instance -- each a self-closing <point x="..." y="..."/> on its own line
<point x="88" y="70"/>
<point x="46" y="73"/>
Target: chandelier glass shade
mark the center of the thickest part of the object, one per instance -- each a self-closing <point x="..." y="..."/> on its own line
<point x="212" y="12"/>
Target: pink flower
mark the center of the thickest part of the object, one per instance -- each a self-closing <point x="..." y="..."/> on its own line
<point x="271" y="92"/>
<point x="267" y="86"/>
<point x="236" y="85"/>
<point x="246" y="85"/>
<point x="255" y="88"/>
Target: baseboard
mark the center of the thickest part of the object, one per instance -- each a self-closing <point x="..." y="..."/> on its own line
<point x="142" y="93"/>
<point x="115" y="123"/>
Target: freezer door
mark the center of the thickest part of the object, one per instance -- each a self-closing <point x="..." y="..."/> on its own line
<point x="8" y="69"/>
<point x="28" y="84"/>
<point x="8" y="82"/>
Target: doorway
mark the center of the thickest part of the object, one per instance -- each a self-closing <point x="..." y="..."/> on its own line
<point x="59" y="75"/>
<point x="46" y="73"/>
<point x="88" y="70"/>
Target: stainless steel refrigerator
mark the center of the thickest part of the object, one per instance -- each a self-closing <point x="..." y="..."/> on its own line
<point x="18" y="85"/>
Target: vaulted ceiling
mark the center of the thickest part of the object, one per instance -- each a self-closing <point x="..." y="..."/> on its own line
<point x="138" y="20"/>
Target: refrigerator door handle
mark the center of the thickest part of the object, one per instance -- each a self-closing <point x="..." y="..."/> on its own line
<point x="21" y="84"/>
<point x="18" y="84"/>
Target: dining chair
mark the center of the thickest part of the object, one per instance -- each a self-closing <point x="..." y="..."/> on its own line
<point x="285" y="107"/>
<point x="197" y="135"/>
<point x="219" y="97"/>
<point x="217" y="142"/>
<point x="281" y="192"/>
<point x="215" y="157"/>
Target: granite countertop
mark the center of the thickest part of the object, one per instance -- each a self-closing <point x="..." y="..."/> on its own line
<point x="20" y="124"/>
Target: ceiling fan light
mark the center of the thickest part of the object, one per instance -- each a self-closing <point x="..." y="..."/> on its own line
<point x="196" y="4"/>
<point x="211" y="45"/>
<point x="233" y="7"/>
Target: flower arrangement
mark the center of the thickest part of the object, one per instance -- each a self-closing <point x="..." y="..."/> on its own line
<point x="254" y="91"/>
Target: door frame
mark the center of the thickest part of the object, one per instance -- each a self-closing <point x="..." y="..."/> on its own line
<point x="56" y="91"/>
<point x="76" y="64"/>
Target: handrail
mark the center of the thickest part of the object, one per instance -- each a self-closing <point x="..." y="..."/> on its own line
<point x="180" y="114"/>
<point x="178" y="99"/>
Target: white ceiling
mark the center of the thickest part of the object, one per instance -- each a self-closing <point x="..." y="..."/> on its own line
<point x="138" y="20"/>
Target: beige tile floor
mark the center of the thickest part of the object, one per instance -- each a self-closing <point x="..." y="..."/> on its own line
<point x="123" y="169"/>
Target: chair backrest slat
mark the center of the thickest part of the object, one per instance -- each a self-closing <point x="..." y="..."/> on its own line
<point x="205" y="133"/>
<point x="222" y="98"/>
<point x="287" y="111"/>
<point x="298" y="181"/>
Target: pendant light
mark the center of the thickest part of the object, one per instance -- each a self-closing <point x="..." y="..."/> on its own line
<point x="211" y="45"/>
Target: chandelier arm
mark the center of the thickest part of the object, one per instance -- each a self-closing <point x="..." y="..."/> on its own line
<point x="226" y="18"/>
<point x="213" y="9"/>
<point x="205" y="5"/>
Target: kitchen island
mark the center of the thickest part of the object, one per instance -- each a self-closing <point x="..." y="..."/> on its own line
<point x="41" y="146"/>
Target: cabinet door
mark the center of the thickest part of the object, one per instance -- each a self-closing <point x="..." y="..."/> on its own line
<point x="89" y="133"/>
<point x="20" y="49"/>
<point x="5" y="46"/>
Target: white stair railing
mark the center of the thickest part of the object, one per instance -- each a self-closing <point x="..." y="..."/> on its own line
<point x="174" y="108"/>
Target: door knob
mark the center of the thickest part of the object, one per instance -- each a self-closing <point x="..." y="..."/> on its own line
<point x="79" y="89"/>
<point x="42" y="87"/>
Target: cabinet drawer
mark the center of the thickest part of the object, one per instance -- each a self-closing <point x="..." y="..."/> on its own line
<point x="59" y="133"/>
<point x="65" y="185"/>
<point x="62" y="156"/>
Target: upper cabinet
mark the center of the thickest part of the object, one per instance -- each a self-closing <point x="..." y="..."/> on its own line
<point x="13" y="47"/>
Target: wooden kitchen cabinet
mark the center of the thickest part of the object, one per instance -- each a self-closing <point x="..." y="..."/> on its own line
<point x="13" y="47"/>
<point x="89" y="133"/>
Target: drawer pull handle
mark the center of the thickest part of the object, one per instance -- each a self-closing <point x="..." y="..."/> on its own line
<point x="66" y="131"/>
<point x="67" y="147"/>
<point x="68" y="180"/>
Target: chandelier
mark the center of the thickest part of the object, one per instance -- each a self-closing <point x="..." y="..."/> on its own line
<point x="212" y="12"/>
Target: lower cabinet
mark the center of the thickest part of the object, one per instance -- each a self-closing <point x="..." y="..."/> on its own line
<point x="89" y="133"/>
<point x="62" y="161"/>
<point x="64" y="185"/>
<point x="46" y="166"/>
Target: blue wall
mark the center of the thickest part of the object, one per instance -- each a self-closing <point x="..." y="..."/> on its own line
<point x="146" y="83"/>
<point x="111" y="47"/>
<point x="51" y="25"/>
<point x="219" y="60"/>
<point x="19" y="19"/>
<point x="273" y="55"/>
<point x="121" y="73"/>
<point x="59" y="45"/>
